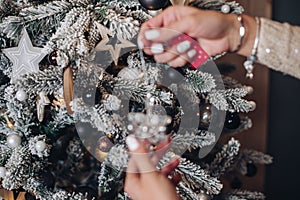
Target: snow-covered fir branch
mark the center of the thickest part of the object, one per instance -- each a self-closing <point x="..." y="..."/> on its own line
<point x="195" y="178"/>
<point x="131" y="89"/>
<point x="48" y="81"/>
<point x="18" y="168"/>
<point x="231" y="100"/>
<point x="112" y="169"/>
<point x="6" y="8"/>
<point x="5" y="63"/>
<point x="69" y="39"/>
<point x="217" y="4"/>
<point x="96" y="115"/>
<point x="36" y="17"/>
<point x="60" y="120"/>
<point x="5" y="152"/>
<point x="185" y="192"/>
<point x="184" y="140"/>
<point x="200" y="82"/>
<point x="218" y="99"/>
<point x="251" y="156"/>
<point x="20" y="113"/>
<point x="245" y="195"/>
<point x="225" y="158"/>
<point x="256" y="156"/>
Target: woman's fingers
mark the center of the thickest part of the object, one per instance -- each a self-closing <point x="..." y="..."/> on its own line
<point x="139" y="156"/>
<point x="160" y="151"/>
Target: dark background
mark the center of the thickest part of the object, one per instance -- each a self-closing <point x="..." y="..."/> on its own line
<point x="283" y="176"/>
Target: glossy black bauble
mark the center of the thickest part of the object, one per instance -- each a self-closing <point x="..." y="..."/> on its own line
<point x="232" y="120"/>
<point x="154" y="4"/>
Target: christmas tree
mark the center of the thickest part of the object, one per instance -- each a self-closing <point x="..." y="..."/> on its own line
<point x="74" y="85"/>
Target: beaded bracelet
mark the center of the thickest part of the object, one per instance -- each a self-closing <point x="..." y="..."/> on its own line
<point x="248" y="64"/>
<point x="242" y="32"/>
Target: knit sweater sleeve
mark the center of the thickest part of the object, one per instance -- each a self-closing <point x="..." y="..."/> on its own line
<point x="279" y="47"/>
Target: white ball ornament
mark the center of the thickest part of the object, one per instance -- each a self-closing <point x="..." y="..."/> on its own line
<point x="40" y="146"/>
<point x="203" y="196"/>
<point x="253" y="105"/>
<point x="21" y="95"/>
<point x="2" y="172"/>
<point x="13" y="140"/>
<point x="225" y="8"/>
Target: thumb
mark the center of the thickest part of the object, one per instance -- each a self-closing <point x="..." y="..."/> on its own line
<point x="140" y="156"/>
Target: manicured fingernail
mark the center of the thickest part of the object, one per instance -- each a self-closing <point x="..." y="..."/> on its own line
<point x="157" y="48"/>
<point x="152" y="34"/>
<point x="140" y="43"/>
<point x="191" y="53"/>
<point x="132" y="143"/>
<point x="183" y="46"/>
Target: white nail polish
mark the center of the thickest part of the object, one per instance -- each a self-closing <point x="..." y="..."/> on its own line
<point x="191" y="53"/>
<point x="132" y="143"/>
<point x="140" y="43"/>
<point x="157" y="48"/>
<point x="183" y="46"/>
<point x="152" y="34"/>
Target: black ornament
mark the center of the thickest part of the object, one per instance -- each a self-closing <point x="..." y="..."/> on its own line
<point x="48" y="179"/>
<point x="28" y="196"/>
<point x="236" y="183"/>
<point x="205" y="115"/>
<point x="232" y="120"/>
<point x="52" y="58"/>
<point x="154" y="4"/>
<point x="251" y="170"/>
<point x="58" y="151"/>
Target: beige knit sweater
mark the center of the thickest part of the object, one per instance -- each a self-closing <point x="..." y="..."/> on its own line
<point x="279" y="47"/>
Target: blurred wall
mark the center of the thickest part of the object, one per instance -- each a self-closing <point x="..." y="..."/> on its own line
<point x="282" y="177"/>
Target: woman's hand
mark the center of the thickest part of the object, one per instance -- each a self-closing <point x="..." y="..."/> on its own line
<point x="214" y="31"/>
<point x="143" y="181"/>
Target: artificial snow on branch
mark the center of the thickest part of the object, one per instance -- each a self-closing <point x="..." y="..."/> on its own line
<point x="38" y="18"/>
<point x="225" y="158"/>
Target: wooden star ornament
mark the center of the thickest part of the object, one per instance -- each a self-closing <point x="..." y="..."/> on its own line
<point x="114" y="50"/>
